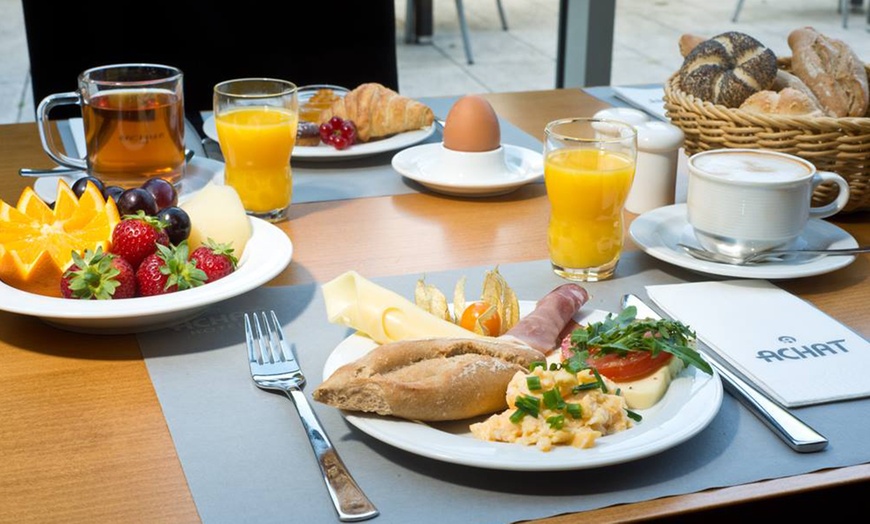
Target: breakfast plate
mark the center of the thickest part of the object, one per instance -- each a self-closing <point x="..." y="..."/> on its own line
<point x="266" y="254"/>
<point x="691" y="403"/>
<point x="423" y="165"/>
<point x="325" y="152"/>
<point x="659" y="231"/>
<point x="197" y="173"/>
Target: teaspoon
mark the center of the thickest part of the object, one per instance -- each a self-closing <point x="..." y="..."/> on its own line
<point x="62" y="170"/>
<point x="753" y="258"/>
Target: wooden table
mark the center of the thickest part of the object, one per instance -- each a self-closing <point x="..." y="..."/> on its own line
<point x="82" y="435"/>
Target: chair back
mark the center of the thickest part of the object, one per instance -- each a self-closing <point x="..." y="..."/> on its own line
<point x="343" y="43"/>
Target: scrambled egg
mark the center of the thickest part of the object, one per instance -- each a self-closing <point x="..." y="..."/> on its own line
<point x="556" y="423"/>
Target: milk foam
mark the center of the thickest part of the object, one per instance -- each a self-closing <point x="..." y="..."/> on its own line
<point x="751" y="167"/>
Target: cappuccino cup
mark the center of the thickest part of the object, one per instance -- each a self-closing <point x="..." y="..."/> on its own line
<point x="744" y="201"/>
<point x="133" y="116"/>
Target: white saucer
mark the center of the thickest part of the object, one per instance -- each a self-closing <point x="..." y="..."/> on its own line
<point x="197" y="174"/>
<point x="421" y="164"/>
<point x="657" y="232"/>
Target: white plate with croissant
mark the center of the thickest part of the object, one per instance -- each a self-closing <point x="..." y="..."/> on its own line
<point x="359" y="150"/>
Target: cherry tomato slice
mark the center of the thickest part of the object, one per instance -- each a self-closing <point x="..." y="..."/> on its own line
<point x="633" y="366"/>
<point x="491" y="326"/>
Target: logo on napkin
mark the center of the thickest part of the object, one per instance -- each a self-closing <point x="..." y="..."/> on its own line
<point x="782" y="344"/>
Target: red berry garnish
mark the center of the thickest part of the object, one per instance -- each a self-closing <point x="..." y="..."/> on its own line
<point x="338" y="133"/>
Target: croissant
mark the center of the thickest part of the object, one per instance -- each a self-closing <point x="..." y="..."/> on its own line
<point x="378" y="112"/>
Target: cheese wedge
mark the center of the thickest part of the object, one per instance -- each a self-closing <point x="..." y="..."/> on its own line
<point x="646" y="392"/>
<point x="381" y="314"/>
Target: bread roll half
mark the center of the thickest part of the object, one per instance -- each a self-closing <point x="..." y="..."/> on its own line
<point x="434" y="379"/>
<point x="789" y="101"/>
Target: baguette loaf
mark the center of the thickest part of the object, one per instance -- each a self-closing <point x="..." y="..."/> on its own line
<point x="832" y="70"/>
<point x="434" y="379"/>
<point x="727" y="69"/>
<point x="789" y="101"/>
<point x="379" y="112"/>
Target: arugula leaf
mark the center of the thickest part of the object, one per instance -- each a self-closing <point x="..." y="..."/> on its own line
<point x="624" y="333"/>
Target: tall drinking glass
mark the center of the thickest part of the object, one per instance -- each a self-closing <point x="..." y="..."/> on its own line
<point x="256" y="120"/>
<point x="588" y="170"/>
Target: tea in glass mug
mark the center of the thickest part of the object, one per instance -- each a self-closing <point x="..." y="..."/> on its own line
<point x="133" y="116"/>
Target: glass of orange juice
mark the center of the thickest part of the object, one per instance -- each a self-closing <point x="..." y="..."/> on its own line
<point x="256" y="120"/>
<point x="588" y="170"/>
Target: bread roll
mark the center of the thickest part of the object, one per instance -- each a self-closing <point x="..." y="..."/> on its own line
<point x="689" y="42"/>
<point x="832" y="70"/>
<point x="785" y="79"/>
<point x="789" y="101"/>
<point x="430" y="379"/>
<point x="727" y="69"/>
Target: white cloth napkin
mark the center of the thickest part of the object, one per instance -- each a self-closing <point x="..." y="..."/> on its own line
<point x="647" y="99"/>
<point x="796" y="353"/>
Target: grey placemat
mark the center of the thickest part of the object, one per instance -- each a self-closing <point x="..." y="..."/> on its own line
<point x="246" y="457"/>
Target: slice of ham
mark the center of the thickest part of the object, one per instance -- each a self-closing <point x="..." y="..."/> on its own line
<point x="542" y="328"/>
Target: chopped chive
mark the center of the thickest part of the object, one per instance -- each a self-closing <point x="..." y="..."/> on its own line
<point x="556" y="421"/>
<point x="537" y="364"/>
<point x="575" y="410"/>
<point x="600" y="380"/>
<point x="633" y="416"/>
<point x="584" y="387"/>
<point x="517" y="416"/>
<point x="531" y="405"/>
<point x="533" y="382"/>
<point x="553" y="399"/>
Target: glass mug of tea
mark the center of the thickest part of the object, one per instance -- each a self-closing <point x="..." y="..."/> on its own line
<point x="133" y="116"/>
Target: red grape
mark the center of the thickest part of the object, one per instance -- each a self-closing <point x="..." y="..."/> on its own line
<point x="164" y="192"/>
<point x="135" y="199"/>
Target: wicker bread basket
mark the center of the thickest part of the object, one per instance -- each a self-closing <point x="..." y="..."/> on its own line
<point x="841" y="145"/>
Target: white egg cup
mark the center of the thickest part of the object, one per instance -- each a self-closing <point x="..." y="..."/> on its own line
<point x="482" y="166"/>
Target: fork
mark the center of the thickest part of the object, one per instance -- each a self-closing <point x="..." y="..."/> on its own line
<point x="274" y="367"/>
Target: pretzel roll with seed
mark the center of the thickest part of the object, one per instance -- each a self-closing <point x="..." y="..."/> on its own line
<point x="727" y="69"/>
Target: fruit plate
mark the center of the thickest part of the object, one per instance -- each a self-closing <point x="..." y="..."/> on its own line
<point x="267" y="253"/>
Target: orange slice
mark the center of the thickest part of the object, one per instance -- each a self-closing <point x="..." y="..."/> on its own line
<point x="36" y="241"/>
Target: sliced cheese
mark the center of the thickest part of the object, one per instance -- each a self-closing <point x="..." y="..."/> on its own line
<point x="383" y="315"/>
<point x="646" y="392"/>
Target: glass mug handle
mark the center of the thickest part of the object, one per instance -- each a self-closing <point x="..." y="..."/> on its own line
<point x="45" y="133"/>
<point x="837" y="205"/>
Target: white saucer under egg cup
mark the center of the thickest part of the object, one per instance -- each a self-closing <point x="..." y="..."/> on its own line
<point x="478" y="166"/>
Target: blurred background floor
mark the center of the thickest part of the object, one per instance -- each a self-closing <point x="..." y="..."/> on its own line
<point x="524" y="57"/>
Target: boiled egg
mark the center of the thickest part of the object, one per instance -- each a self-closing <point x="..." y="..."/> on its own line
<point x="471" y="126"/>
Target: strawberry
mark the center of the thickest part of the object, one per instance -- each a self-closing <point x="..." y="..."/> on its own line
<point x="216" y="260"/>
<point x="98" y="275"/>
<point x="168" y="270"/>
<point x="137" y="236"/>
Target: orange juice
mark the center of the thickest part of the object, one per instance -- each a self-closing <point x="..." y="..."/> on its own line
<point x="587" y="189"/>
<point x="257" y="143"/>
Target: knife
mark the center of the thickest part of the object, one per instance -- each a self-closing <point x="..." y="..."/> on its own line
<point x="792" y="430"/>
